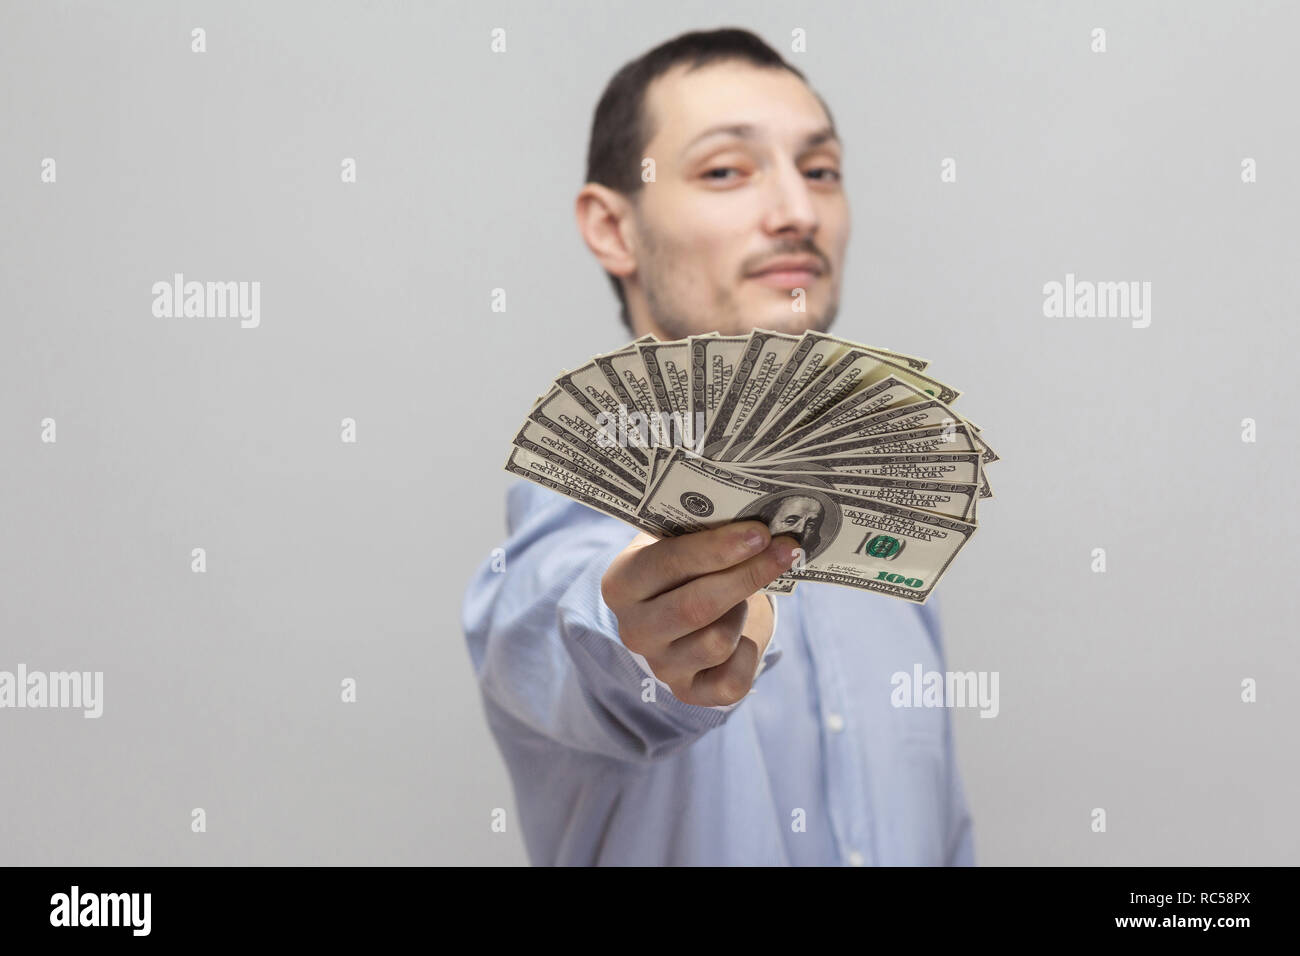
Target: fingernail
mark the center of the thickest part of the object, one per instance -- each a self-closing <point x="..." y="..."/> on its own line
<point x="754" y="540"/>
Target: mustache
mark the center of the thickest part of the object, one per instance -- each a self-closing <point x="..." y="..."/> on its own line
<point x="798" y="249"/>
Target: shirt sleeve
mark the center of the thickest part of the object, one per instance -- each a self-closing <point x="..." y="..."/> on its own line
<point x="546" y="647"/>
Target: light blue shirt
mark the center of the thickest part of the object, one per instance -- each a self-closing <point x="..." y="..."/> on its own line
<point x="815" y="767"/>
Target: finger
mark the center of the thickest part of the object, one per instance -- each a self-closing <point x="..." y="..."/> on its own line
<point x="641" y="540"/>
<point x="701" y="601"/>
<point x="729" y="681"/>
<point x="647" y="572"/>
<point x="614" y="581"/>
<point x="685" y="657"/>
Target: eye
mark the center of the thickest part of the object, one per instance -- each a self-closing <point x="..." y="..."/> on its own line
<point x="720" y="169"/>
<point x="833" y="177"/>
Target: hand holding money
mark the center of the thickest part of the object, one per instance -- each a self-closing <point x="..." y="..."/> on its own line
<point x="683" y="604"/>
<point x="854" y="451"/>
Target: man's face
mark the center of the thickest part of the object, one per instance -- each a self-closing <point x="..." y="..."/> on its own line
<point x="796" y="516"/>
<point x="727" y="201"/>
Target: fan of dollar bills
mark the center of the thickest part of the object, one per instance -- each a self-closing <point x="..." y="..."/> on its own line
<point x="852" y="450"/>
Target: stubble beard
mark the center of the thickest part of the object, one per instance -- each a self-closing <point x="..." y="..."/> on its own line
<point x="675" y="321"/>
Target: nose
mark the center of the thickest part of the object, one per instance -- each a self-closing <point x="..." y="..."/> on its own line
<point x="790" y="209"/>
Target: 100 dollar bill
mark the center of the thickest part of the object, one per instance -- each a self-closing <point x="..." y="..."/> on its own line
<point x="965" y="466"/>
<point x="846" y="539"/>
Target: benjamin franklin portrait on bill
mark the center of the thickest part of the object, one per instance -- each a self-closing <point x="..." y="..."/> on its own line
<point x="808" y="516"/>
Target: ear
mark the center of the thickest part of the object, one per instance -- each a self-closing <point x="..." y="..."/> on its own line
<point x="605" y="222"/>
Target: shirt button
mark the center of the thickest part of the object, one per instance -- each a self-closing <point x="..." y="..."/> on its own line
<point x="856" y="859"/>
<point x="834" y="723"/>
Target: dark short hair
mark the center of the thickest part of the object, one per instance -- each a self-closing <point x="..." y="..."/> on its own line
<point x="620" y="129"/>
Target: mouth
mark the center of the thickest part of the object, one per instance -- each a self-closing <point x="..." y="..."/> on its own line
<point x="787" y="278"/>
<point x="789" y="273"/>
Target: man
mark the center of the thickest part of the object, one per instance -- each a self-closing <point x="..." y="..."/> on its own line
<point x="652" y="705"/>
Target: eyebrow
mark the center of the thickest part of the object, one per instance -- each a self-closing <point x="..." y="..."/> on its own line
<point x="750" y="132"/>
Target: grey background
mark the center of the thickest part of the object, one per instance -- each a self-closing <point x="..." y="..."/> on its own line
<point x="327" y="560"/>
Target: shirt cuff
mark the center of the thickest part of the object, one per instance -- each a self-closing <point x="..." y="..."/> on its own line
<point x="770" y="656"/>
